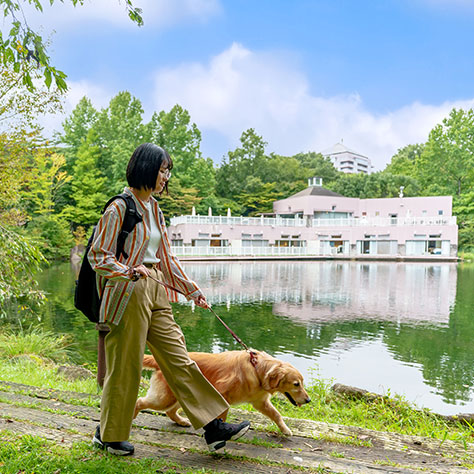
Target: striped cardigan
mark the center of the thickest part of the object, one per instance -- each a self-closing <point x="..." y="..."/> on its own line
<point x="113" y="275"/>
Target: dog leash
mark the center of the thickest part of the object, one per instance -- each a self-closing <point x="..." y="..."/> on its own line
<point x="253" y="355"/>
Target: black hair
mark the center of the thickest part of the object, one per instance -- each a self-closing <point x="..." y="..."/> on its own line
<point x="144" y="165"/>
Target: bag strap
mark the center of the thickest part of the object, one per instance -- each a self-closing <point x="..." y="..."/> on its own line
<point x="131" y="219"/>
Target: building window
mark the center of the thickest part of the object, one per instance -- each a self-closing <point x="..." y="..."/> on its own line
<point x="333" y="208"/>
<point x="377" y="213"/>
<point x="440" y="212"/>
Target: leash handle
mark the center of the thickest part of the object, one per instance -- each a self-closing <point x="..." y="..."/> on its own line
<point x="237" y="338"/>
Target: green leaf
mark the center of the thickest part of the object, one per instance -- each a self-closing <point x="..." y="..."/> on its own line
<point x="47" y="77"/>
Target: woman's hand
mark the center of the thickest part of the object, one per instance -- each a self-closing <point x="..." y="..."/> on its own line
<point x="201" y="301"/>
<point x="140" y="271"/>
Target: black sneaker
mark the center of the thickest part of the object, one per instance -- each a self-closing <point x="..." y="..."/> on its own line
<point x="217" y="432"/>
<point x="119" y="448"/>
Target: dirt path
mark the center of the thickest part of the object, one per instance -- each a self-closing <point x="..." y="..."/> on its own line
<point x="64" y="417"/>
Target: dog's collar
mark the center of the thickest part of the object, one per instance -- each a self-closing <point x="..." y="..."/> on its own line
<point x="253" y="358"/>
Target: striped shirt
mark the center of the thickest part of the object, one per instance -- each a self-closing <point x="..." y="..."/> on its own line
<point x="113" y="275"/>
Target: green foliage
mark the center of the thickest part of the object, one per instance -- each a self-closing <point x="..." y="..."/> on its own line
<point x="180" y="200"/>
<point x="120" y="130"/>
<point x="463" y="208"/>
<point x="446" y="165"/>
<point x="375" y="185"/>
<point x="52" y="233"/>
<point x="258" y="197"/>
<point x="23" y="47"/>
<point x="246" y="161"/>
<point x="34" y="342"/>
<point x="76" y="128"/>
<point x="40" y="192"/>
<point x="20" y="259"/>
<point x="404" y="162"/>
<point x="20" y="106"/>
<point x="88" y="183"/>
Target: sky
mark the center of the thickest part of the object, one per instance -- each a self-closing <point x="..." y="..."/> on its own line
<point x="305" y="74"/>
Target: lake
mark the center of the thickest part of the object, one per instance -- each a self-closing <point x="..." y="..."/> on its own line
<point x="404" y="328"/>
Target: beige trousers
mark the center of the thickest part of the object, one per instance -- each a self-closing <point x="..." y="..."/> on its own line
<point x="148" y="319"/>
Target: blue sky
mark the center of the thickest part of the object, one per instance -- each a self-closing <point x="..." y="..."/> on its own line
<point x="305" y="74"/>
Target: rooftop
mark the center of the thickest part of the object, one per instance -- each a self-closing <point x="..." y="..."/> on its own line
<point x="315" y="191"/>
<point x="340" y="148"/>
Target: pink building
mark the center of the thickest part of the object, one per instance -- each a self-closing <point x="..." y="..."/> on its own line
<point x="317" y="221"/>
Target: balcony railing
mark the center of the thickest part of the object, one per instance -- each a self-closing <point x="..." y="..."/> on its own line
<point x="301" y="222"/>
<point x="224" y="220"/>
<point x="181" y="251"/>
<point x="383" y="221"/>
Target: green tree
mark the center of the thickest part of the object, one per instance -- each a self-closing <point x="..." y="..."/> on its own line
<point x="76" y="128"/>
<point x="258" y="197"/>
<point x="463" y="208"/>
<point x="405" y="161"/>
<point x="88" y="183"/>
<point x="49" y="177"/>
<point x="174" y="131"/>
<point x="120" y="130"/>
<point x="246" y="161"/>
<point x="446" y="165"/>
<point x="316" y="165"/>
<point x="179" y="201"/>
<point x="23" y="46"/>
<point x="375" y="185"/>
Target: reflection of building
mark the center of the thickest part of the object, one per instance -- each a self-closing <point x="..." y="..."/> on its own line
<point x="346" y="160"/>
<point x="317" y="221"/>
<point x="334" y="290"/>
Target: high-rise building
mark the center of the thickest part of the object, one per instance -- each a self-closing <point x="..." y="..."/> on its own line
<point x="347" y="160"/>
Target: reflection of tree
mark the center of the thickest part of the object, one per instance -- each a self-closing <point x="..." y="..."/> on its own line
<point x="447" y="353"/>
<point x="60" y="316"/>
<point x="259" y="328"/>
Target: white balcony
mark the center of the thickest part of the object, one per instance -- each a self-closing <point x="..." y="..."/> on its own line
<point x="299" y="222"/>
<point x="385" y="221"/>
<point x="181" y="251"/>
<point x="224" y="220"/>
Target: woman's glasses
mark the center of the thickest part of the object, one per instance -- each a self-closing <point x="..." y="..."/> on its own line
<point x="166" y="173"/>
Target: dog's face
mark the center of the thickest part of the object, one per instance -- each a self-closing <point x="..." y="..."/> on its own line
<point x="284" y="378"/>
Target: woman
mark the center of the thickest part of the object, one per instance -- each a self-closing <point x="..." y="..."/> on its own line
<point x="138" y="311"/>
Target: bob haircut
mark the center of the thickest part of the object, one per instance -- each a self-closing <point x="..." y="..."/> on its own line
<point x="144" y="165"/>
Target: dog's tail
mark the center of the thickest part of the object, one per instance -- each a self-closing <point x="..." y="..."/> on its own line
<point x="149" y="362"/>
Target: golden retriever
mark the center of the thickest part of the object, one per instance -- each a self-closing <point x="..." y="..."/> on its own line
<point x="236" y="379"/>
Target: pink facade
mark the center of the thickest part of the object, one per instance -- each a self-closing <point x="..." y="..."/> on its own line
<point x="317" y="221"/>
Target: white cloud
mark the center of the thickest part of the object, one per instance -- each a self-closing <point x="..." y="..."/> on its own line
<point x="239" y="89"/>
<point x="156" y="13"/>
<point x="98" y="95"/>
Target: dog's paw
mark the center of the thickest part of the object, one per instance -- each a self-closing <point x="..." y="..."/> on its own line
<point x="286" y="431"/>
<point x="183" y="422"/>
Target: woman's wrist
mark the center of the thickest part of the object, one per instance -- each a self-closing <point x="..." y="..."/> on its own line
<point x="133" y="274"/>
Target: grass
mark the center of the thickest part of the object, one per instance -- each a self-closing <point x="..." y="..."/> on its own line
<point x="34" y="342"/>
<point x="466" y="255"/>
<point x="391" y="414"/>
<point x="32" y="454"/>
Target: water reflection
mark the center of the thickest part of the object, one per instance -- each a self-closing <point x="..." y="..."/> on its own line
<point x="406" y="327"/>
<point x="329" y="291"/>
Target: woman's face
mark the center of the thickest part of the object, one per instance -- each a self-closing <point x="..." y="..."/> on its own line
<point x="162" y="178"/>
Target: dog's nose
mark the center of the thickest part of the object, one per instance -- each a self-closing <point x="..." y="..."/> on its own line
<point x="308" y="400"/>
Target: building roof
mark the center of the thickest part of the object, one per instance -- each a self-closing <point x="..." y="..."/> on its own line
<point x="315" y="191"/>
<point x="340" y="148"/>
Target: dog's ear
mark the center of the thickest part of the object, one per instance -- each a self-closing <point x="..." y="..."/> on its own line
<point x="273" y="377"/>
